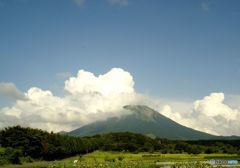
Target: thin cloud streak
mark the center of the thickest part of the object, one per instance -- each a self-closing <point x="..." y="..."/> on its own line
<point x="118" y="2"/>
<point x="206" y="6"/>
<point x="80" y="3"/>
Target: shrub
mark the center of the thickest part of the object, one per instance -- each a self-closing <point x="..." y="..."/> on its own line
<point x="13" y="155"/>
<point x="120" y="158"/>
<point x="109" y="159"/>
<point x="3" y="160"/>
<point x="27" y="159"/>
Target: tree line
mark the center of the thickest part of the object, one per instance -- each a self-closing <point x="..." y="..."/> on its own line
<point x="19" y="144"/>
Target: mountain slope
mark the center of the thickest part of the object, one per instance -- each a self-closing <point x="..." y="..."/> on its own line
<point x="143" y="120"/>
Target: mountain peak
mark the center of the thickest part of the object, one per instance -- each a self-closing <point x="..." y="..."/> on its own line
<point x="137" y="107"/>
<point x="142" y="112"/>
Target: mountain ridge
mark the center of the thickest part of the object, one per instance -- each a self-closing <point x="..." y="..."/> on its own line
<point x="147" y="121"/>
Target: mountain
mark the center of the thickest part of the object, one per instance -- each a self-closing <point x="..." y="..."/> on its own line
<point x="62" y="132"/>
<point x="145" y="120"/>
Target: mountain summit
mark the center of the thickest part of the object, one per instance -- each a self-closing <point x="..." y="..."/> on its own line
<point x="145" y="120"/>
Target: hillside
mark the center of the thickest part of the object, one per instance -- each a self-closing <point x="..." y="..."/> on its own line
<point x="143" y="120"/>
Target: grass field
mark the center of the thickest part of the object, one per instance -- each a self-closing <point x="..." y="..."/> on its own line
<point x="128" y="160"/>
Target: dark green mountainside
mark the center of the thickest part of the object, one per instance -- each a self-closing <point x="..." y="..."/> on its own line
<point x="143" y="120"/>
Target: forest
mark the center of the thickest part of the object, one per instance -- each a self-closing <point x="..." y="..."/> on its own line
<point x="18" y="143"/>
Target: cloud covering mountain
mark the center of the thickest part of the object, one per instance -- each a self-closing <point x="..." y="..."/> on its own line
<point x="89" y="98"/>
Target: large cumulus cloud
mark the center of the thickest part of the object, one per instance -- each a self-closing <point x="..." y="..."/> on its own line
<point x="89" y="98"/>
<point x="210" y="114"/>
<point x="213" y="115"/>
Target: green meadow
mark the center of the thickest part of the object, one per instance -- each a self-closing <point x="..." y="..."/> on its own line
<point x="130" y="160"/>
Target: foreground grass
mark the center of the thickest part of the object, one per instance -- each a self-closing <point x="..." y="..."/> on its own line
<point x="124" y="160"/>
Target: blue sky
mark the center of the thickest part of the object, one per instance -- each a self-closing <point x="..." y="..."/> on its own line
<point x="184" y="58"/>
<point x="173" y="49"/>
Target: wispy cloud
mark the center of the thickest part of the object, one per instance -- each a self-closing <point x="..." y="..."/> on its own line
<point x="206" y="6"/>
<point x="63" y="75"/>
<point x="81" y="3"/>
<point x="118" y="2"/>
<point x="9" y="90"/>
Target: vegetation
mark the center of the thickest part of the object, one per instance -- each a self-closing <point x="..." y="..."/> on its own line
<point x="18" y="142"/>
<point x="20" y="145"/>
<point x="140" y="160"/>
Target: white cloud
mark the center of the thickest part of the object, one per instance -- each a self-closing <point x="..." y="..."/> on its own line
<point x="210" y="114"/>
<point x="213" y="105"/>
<point x="9" y="90"/>
<point x="89" y="98"/>
<point x="114" y="82"/>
